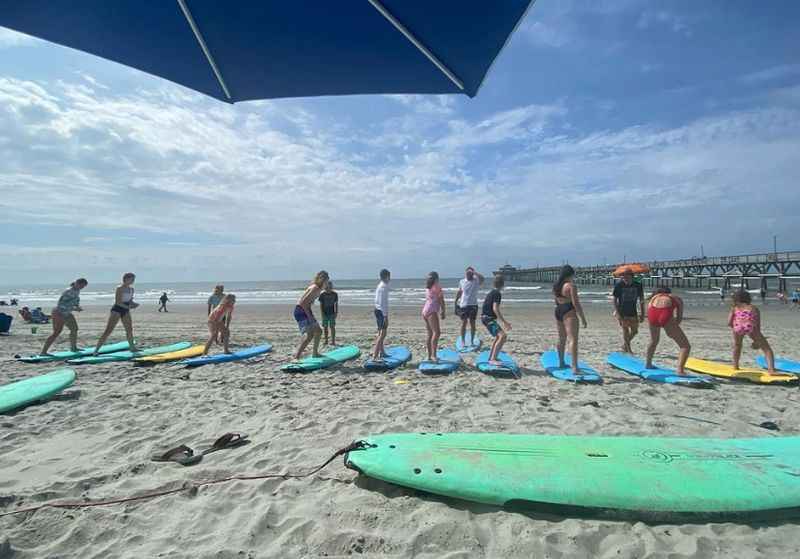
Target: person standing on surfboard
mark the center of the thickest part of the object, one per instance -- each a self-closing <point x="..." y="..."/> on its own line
<point x="490" y="314"/>
<point x="329" y="305"/>
<point x="381" y="314"/>
<point x="745" y="320"/>
<point x="627" y="293"/>
<point x="568" y="309"/>
<point x="69" y="302"/>
<point x="219" y="323"/>
<point x="467" y="301"/>
<point x="121" y="311"/>
<point x="308" y="325"/>
<point x="434" y="304"/>
<point x="665" y="310"/>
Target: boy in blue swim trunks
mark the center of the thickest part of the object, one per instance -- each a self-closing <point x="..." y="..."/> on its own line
<point x="329" y="305"/>
<point x="490" y="315"/>
<point x="309" y="327"/>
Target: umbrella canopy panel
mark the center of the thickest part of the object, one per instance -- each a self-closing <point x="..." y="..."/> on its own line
<point x="243" y="50"/>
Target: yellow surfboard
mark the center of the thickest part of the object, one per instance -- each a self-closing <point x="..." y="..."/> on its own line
<point x="193" y="351"/>
<point x="724" y="370"/>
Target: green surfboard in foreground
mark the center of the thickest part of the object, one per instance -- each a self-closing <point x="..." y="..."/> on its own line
<point x="593" y="475"/>
<point x="33" y="389"/>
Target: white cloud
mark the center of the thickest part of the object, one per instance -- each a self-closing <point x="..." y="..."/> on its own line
<point x="674" y="22"/>
<point x="284" y="189"/>
<point x="546" y="35"/>
<point x="771" y="74"/>
<point x="9" y="39"/>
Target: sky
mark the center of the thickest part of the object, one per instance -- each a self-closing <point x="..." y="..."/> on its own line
<point x="605" y="130"/>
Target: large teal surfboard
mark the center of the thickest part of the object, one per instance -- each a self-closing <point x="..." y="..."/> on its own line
<point x="328" y="359"/>
<point x="592" y="474"/>
<point x="29" y="390"/>
<point x="64" y="355"/>
<point x="586" y="374"/>
<point x="128" y="355"/>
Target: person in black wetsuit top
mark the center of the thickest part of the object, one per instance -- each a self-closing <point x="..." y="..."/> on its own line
<point x="568" y="309"/>
<point x="628" y="299"/>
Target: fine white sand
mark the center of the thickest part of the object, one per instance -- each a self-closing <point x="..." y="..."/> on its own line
<point x="95" y="440"/>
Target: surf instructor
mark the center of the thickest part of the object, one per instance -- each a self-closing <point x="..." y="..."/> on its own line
<point x="627" y="293"/>
<point x="467" y="300"/>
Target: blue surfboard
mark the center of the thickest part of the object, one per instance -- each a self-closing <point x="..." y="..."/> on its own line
<point x="449" y="361"/>
<point x="509" y="366"/>
<point x="785" y="365"/>
<point x="395" y="357"/>
<point x="587" y="374"/>
<point x="634" y="366"/>
<point x="226" y="357"/>
<point x="469" y="344"/>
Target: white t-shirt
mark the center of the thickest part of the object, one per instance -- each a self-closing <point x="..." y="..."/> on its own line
<point x="469" y="292"/>
<point x="382" y="298"/>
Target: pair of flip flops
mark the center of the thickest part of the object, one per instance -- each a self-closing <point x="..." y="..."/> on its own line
<point x="186" y="456"/>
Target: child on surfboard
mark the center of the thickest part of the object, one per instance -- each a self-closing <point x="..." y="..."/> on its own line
<point x="219" y="323"/>
<point x="434" y="305"/>
<point x="490" y="315"/>
<point x="308" y="325"/>
<point x="745" y="320"/>
<point x="381" y="314"/>
<point x="329" y="305"/>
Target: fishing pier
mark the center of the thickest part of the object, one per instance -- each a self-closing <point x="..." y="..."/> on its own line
<point x="750" y="271"/>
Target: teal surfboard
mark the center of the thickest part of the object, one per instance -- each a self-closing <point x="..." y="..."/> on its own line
<point x="574" y="474"/>
<point x="24" y="392"/>
<point x="507" y="364"/>
<point x="449" y="361"/>
<point x="246" y="353"/>
<point x="64" y="355"/>
<point x="328" y="359"/>
<point x="128" y="355"/>
<point x="587" y="374"/>
<point x="630" y="364"/>
<point x="469" y="344"/>
<point x="785" y="365"/>
<point x="395" y="357"/>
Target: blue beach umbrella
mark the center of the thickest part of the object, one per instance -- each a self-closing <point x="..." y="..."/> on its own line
<point x="239" y="50"/>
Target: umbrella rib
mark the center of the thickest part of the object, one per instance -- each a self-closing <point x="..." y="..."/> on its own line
<point x="204" y="47"/>
<point x="417" y="43"/>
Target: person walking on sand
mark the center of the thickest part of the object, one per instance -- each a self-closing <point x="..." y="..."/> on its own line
<point x="308" y="325"/>
<point x="219" y="323"/>
<point x="568" y="310"/>
<point x="121" y="311"/>
<point x="745" y="320"/>
<point x="381" y="314"/>
<point x="665" y="310"/>
<point x="69" y="302"/>
<point x="467" y="301"/>
<point x="163" y="300"/>
<point x="628" y="298"/>
<point x="490" y="315"/>
<point x="329" y="305"/>
<point x="434" y="305"/>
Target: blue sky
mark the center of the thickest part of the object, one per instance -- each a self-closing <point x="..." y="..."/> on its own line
<point x="606" y="128"/>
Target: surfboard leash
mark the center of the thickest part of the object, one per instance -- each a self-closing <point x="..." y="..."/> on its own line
<point x="193" y="486"/>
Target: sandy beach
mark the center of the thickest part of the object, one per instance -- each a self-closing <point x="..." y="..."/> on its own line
<point x="95" y="440"/>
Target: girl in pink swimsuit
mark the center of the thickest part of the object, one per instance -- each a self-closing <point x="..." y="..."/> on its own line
<point x="434" y="304"/>
<point x="745" y="320"/>
<point x="219" y="322"/>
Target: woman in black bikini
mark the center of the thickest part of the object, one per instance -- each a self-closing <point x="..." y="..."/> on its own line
<point x="568" y="309"/>
<point x="121" y="311"/>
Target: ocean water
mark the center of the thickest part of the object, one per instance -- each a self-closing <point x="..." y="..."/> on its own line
<point x="405" y="292"/>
